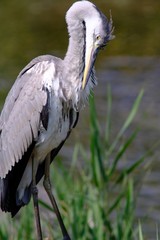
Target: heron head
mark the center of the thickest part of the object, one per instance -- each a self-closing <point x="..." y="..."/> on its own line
<point x="99" y="31"/>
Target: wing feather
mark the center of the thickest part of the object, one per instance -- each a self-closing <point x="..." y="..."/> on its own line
<point x="20" y="117"/>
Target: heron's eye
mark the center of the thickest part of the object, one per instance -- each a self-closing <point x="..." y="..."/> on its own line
<point x="98" y="37"/>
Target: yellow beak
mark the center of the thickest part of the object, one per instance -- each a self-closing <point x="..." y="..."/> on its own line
<point x="88" y="66"/>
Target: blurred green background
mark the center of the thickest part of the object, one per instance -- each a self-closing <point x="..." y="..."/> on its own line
<point x="31" y="28"/>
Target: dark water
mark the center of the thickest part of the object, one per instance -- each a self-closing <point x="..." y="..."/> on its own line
<point x="130" y="63"/>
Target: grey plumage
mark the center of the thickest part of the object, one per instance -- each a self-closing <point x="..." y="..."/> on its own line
<point x="20" y="117"/>
<point x="43" y="105"/>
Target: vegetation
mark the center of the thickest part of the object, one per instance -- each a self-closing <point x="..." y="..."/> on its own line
<point x="96" y="199"/>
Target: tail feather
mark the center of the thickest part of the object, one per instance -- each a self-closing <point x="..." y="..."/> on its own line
<point x="9" y="185"/>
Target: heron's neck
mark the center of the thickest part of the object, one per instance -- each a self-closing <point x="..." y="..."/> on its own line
<point x="75" y="56"/>
<point x="74" y="63"/>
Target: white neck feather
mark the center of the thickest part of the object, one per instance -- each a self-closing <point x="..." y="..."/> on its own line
<point x="74" y="61"/>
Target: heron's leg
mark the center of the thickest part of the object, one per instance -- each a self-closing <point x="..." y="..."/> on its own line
<point x="47" y="186"/>
<point x="35" y="200"/>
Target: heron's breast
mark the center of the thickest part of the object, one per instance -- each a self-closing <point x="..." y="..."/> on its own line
<point x="56" y="132"/>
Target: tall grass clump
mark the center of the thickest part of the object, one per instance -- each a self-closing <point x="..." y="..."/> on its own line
<point x="95" y="197"/>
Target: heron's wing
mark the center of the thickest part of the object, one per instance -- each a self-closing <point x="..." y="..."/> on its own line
<point x="20" y="118"/>
<point x="21" y="80"/>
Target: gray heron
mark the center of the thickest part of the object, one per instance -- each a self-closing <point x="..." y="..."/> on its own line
<point x="42" y="108"/>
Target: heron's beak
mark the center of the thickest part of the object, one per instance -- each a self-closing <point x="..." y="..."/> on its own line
<point x="89" y="62"/>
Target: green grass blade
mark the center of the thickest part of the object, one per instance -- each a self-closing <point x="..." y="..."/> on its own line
<point x="74" y="159"/>
<point x="45" y="205"/>
<point x="3" y="232"/>
<point x="108" y="122"/>
<point x="157" y="232"/>
<point x="127" y="122"/>
<point x="98" y="167"/>
<point x="128" y="211"/>
<point x="120" y="153"/>
<point x="115" y="203"/>
<point x="129" y="170"/>
<point x="132" y="114"/>
<point x="140" y="231"/>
